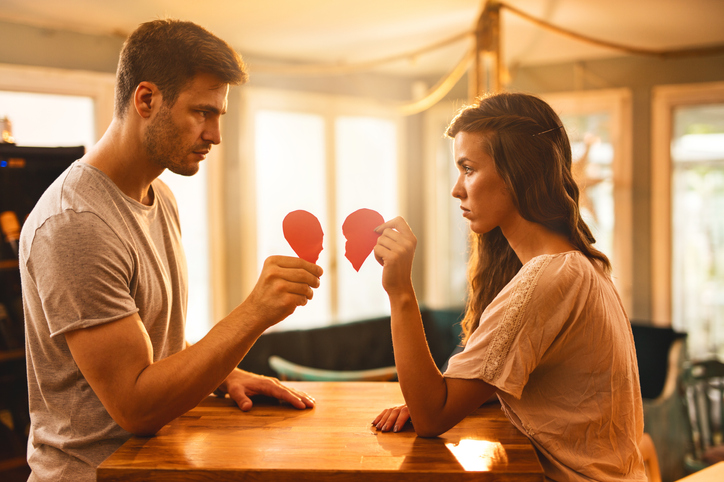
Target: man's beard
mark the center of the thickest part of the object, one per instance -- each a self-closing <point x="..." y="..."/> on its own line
<point x="162" y="141"/>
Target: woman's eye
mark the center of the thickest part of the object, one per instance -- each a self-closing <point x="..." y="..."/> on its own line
<point x="467" y="170"/>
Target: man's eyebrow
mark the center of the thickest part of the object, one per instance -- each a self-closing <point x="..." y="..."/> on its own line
<point x="208" y="107"/>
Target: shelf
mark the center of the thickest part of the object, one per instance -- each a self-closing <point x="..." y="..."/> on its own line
<point x="10" y="355"/>
<point x="9" y="264"/>
<point x="13" y="463"/>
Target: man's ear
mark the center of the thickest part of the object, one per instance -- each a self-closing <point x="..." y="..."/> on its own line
<point x="146" y="99"/>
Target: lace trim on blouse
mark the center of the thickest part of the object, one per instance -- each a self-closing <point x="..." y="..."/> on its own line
<point x="513" y="317"/>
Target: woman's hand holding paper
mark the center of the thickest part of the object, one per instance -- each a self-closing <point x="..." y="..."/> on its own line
<point x="395" y="251"/>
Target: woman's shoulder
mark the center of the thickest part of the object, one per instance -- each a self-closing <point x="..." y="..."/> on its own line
<point x="558" y="269"/>
<point x="573" y="260"/>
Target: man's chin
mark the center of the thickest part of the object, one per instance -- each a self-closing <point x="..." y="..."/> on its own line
<point x="185" y="170"/>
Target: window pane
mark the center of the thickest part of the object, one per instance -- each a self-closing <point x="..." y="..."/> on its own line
<point x="593" y="170"/>
<point x="697" y="153"/>
<point x="45" y="120"/>
<point x="366" y="154"/>
<point x="455" y="248"/>
<point x="191" y="197"/>
<point x="290" y="175"/>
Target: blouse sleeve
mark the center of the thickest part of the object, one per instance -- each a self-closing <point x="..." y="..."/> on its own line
<point x="521" y="324"/>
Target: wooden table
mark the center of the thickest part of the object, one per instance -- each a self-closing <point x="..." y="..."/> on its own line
<point x="713" y="473"/>
<point x="333" y="441"/>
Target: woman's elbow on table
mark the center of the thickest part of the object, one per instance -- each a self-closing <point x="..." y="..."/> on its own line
<point x="462" y="397"/>
<point x="430" y="428"/>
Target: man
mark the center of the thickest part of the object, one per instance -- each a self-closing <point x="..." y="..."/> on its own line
<point x="103" y="271"/>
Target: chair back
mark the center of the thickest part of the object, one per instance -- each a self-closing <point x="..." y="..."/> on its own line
<point x="651" y="460"/>
<point x="653" y="356"/>
<point x="703" y="397"/>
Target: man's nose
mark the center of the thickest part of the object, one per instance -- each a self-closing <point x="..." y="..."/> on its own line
<point x="212" y="133"/>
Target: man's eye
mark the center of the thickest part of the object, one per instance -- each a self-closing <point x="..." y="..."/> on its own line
<point x="203" y="113"/>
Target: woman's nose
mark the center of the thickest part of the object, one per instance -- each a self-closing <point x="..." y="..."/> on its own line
<point x="457" y="191"/>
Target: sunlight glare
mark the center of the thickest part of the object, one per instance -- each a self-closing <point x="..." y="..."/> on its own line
<point x="478" y="455"/>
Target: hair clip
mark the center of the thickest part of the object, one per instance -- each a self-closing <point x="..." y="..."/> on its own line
<point x="546" y="132"/>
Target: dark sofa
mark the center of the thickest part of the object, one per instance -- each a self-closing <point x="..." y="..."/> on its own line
<point x="360" y="345"/>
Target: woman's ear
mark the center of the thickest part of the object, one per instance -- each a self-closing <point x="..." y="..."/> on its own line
<point x="146" y="98"/>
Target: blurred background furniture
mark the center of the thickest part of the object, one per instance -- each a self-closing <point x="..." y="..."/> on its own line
<point x="25" y="174"/>
<point x="651" y="461"/>
<point x="356" y="346"/>
<point x="287" y="370"/>
<point x="702" y="387"/>
<point x="660" y="354"/>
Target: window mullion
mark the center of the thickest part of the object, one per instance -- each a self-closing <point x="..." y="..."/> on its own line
<point x="330" y="231"/>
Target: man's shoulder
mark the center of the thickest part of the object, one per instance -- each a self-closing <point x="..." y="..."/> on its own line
<point x="78" y="190"/>
<point x="85" y="187"/>
<point x="78" y="184"/>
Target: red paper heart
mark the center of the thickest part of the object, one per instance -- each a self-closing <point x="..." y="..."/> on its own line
<point x="304" y="234"/>
<point x="358" y="228"/>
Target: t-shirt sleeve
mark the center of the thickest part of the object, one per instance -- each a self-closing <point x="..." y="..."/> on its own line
<point x="520" y="325"/>
<point x="82" y="272"/>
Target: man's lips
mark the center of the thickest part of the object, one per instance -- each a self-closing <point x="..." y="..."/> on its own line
<point x="202" y="152"/>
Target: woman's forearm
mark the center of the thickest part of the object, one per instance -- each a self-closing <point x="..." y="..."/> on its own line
<point x="435" y="403"/>
<point x="422" y="384"/>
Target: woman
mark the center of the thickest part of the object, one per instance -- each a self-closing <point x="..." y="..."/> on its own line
<point x="544" y="328"/>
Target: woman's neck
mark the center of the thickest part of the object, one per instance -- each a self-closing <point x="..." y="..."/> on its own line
<point x="529" y="239"/>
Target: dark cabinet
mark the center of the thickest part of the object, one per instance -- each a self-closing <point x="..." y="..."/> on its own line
<point x="25" y="173"/>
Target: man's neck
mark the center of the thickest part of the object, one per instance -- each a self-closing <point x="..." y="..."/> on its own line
<point x="122" y="158"/>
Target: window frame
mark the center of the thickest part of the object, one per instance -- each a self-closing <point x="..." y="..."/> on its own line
<point x="436" y="245"/>
<point x="664" y="99"/>
<point x="45" y="80"/>
<point x="618" y="102"/>
<point x="329" y="107"/>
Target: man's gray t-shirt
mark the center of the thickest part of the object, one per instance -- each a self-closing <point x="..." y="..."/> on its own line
<point x="90" y="255"/>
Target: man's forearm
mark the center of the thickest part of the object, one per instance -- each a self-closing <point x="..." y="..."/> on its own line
<point x="170" y="387"/>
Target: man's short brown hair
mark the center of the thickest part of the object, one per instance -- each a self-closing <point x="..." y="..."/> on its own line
<point x="169" y="53"/>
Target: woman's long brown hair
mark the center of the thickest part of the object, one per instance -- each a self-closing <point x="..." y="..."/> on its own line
<point x="532" y="154"/>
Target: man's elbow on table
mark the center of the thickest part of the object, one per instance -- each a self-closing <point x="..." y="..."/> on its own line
<point x="139" y="425"/>
<point x="136" y="414"/>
